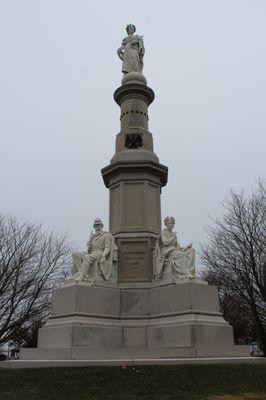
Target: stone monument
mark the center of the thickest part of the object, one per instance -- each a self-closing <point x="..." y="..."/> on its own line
<point x="134" y="293"/>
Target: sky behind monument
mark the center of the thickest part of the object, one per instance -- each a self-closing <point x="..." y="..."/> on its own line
<point x="206" y="62"/>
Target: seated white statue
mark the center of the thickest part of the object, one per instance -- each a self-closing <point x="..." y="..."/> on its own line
<point x="99" y="259"/>
<point x="168" y="251"/>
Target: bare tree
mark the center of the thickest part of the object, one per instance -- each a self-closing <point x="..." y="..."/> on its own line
<point x="32" y="263"/>
<point x="235" y="261"/>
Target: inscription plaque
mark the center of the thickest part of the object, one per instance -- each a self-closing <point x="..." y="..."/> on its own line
<point x="134" y="260"/>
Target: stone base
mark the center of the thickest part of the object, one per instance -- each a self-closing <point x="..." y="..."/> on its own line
<point x="128" y="353"/>
<point x="151" y="320"/>
<point x="105" y="353"/>
<point x="18" y="364"/>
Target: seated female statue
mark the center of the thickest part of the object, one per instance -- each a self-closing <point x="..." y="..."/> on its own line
<point x="168" y="250"/>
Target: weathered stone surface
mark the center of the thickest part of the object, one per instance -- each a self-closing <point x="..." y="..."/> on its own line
<point x="167" y="299"/>
<point x="135" y="337"/>
<point x="77" y="298"/>
<point x="135" y="303"/>
<point x="147" y="319"/>
<point x="170" y="336"/>
<point x="106" y="353"/>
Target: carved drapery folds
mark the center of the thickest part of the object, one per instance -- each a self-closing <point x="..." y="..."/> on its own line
<point x="100" y="259"/>
<point x="131" y="51"/>
<point x="170" y="259"/>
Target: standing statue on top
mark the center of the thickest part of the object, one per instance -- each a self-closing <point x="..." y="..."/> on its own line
<point x="132" y="51"/>
<point x="169" y="255"/>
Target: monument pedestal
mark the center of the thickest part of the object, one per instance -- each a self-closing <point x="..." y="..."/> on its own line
<point x="141" y="320"/>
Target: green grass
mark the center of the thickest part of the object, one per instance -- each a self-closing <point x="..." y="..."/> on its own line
<point x="180" y="382"/>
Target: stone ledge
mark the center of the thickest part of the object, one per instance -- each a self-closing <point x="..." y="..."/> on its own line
<point x="137" y="317"/>
<point x="134" y="91"/>
<point x="132" y="167"/>
<point x="137" y="285"/>
<point x="44" y="363"/>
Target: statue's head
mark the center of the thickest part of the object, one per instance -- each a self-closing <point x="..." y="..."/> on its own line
<point x="98" y="225"/>
<point x="130" y="29"/>
<point x="169" y="222"/>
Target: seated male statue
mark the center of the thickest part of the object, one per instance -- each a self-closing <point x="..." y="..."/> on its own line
<point x="98" y="260"/>
<point x="168" y="250"/>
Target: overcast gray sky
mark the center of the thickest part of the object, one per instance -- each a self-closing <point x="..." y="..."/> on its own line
<point x="206" y="62"/>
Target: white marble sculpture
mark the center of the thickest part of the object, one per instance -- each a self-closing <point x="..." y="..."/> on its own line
<point x="131" y="51"/>
<point x="98" y="261"/>
<point x="179" y="261"/>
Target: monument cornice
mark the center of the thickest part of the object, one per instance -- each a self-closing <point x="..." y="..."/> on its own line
<point x="116" y="168"/>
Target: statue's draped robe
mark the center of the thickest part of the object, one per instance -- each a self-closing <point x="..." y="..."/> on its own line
<point x="182" y="262"/>
<point x="133" y="54"/>
<point x="88" y="266"/>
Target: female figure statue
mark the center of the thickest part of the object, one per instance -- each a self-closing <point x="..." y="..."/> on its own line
<point x="132" y="51"/>
<point x="168" y="250"/>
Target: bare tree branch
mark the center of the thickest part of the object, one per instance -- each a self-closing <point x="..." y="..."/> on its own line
<point x="32" y="263"/>
<point x="235" y="261"/>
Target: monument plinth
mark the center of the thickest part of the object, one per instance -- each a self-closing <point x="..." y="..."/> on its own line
<point x="134" y="292"/>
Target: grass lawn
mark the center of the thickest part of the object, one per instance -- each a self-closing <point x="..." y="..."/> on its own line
<point x="189" y="382"/>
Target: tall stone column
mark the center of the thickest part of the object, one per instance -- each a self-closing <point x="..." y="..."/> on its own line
<point x="134" y="178"/>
